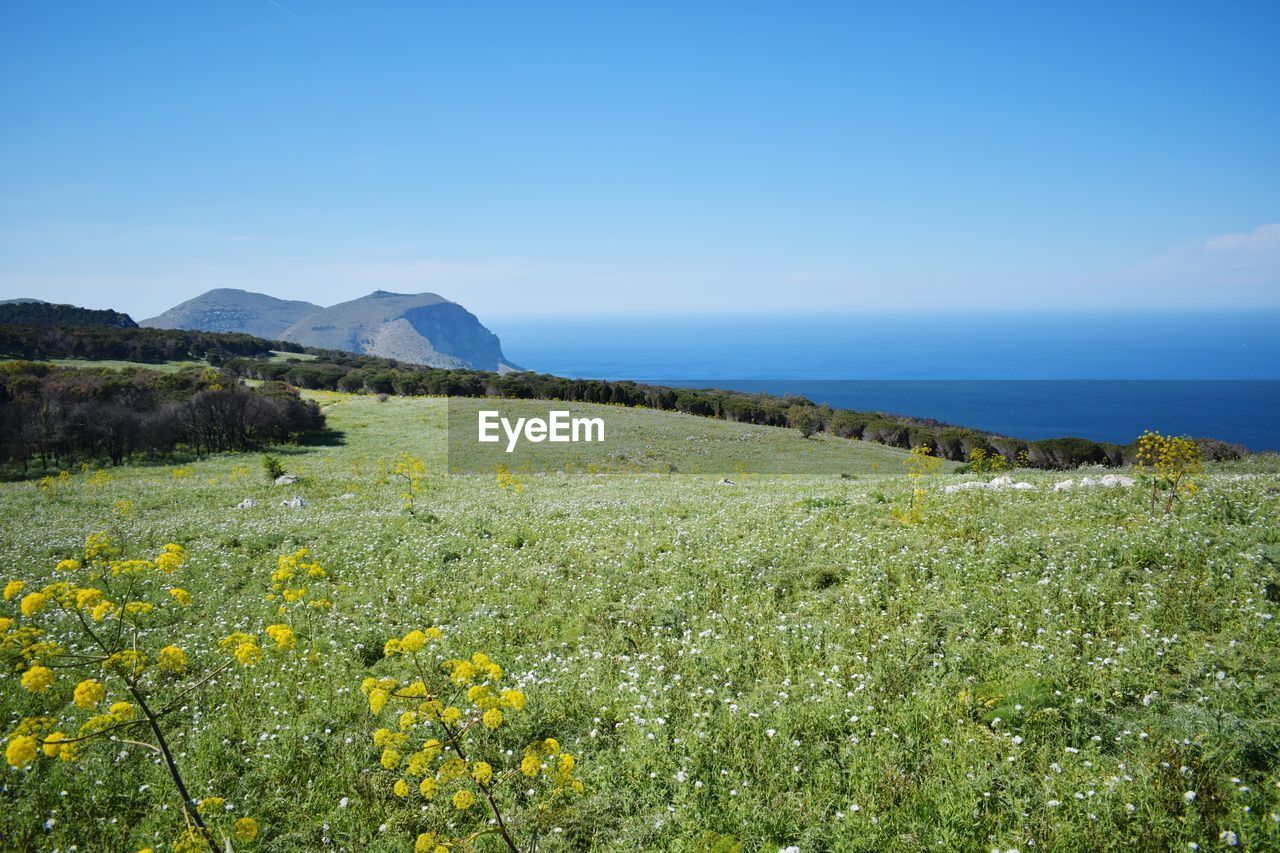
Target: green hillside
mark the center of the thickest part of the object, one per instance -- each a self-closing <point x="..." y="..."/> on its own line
<point x="775" y="662"/>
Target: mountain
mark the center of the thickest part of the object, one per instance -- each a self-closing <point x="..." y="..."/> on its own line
<point x="226" y="309"/>
<point x="33" y="312"/>
<point x="420" y="328"/>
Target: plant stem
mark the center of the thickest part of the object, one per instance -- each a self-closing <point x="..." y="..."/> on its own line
<point x="188" y="804"/>
<point x="457" y="747"/>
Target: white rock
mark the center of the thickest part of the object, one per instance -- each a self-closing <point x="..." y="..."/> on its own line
<point x="725" y="481"/>
<point x="346" y="496"/>
<point x="247" y="503"/>
<point x="286" y="479"/>
<point x="1001" y="482"/>
<point x="1022" y="487"/>
<point x="294" y="503"/>
<point x="1064" y="486"/>
<point x="1086" y="482"/>
<point x="1111" y="480"/>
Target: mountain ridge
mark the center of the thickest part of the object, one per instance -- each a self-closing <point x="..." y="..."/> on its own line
<point x="418" y="328"/>
<point x="230" y="309"/>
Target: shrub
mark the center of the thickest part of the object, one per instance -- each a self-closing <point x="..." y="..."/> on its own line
<point x="272" y="466"/>
<point x="804" y="418"/>
<point x="848" y="424"/>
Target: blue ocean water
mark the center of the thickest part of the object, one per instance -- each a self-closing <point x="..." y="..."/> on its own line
<point x="1103" y="376"/>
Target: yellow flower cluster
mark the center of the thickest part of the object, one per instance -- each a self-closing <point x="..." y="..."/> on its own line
<point x="243" y="647"/>
<point x="546" y="757"/>
<point x="283" y="636"/>
<point x="37" y="679"/>
<point x="429" y="842"/>
<point x="38" y="735"/>
<point x="432" y="748"/>
<point x="128" y="663"/>
<point x="414" y="641"/>
<point x="89" y="693"/>
<point x="171" y="659"/>
<point x="1174" y="462"/>
<point x="289" y="580"/>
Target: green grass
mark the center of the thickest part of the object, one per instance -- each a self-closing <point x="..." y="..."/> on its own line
<point x="163" y="367"/>
<point x="1029" y="670"/>
<point x="641" y="440"/>
<point x="279" y="356"/>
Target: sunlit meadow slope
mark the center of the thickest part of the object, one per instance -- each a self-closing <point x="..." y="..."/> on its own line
<point x="776" y="661"/>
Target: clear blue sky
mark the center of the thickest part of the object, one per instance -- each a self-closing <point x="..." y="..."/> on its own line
<point x="526" y="158"/>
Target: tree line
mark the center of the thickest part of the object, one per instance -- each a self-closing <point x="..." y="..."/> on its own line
<point x="248" y="357"/>
<point x="52" y="417"/>
<point x="149" y="346"/>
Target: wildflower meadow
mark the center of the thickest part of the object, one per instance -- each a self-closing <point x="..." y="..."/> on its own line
<point x="383" y="656"/>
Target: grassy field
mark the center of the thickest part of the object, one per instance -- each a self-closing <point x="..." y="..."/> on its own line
<point x="639" y="442"/>
<point x="774" y="662"/>
<point x="110" y="364"/>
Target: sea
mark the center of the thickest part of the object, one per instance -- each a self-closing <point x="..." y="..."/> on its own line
<point x="1102" y="375"/>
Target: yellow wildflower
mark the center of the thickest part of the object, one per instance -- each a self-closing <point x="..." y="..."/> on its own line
<point x="482" y="772"/>
<point x="414" y="641"/>
<point x="37" y="679"/>
<point x="181" y="596"/>
<point x="125" y="662"/>
<point x="492" y="718"/>
<point x="21" y="751"/>
<point x="89" y="693"/>
<point x="210" y="804"/>
<point x="33" y="603"/>
<point x="98" y="545"/>
<point x="513" y="699"/>
<point x="462" y="672"/>
<point x="248" y="653"/>
<point x="12" y="588"/>
<point x="463" y="800"/>
<point x="172" y="659"/>
<point x="429" y="788"/>
<point x="246" y="829"/>
<point x="170" y="558"/>
<point x="400" y="789"/>
<point x="283" y="636"/>
<point x="53" y="744"/>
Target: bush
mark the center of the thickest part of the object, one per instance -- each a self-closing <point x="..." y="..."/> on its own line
<point x="1066" y="453"/>
<point x="848" y="424"/>
<point x="272" y="466"/>
<point x="804" y="418"/>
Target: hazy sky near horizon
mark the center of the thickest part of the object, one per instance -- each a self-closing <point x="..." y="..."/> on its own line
<point x="656" y="157"/>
